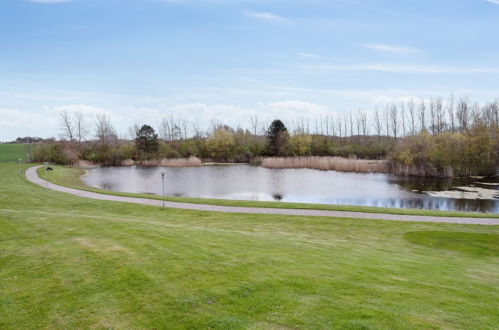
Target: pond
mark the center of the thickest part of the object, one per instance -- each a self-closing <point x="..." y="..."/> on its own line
<point x="247" y="182"/>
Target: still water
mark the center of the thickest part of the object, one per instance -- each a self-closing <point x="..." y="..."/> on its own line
<point x="246" y="182"/>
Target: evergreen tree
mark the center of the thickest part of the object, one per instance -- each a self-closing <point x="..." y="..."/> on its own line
<point x="147" y="140"/>
<point x="277" y="137"/>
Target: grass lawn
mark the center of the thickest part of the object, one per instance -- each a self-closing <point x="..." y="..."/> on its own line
<point x="70" y="177"/>
<point x="68" y="262"/>
<point x="10" y="153"/>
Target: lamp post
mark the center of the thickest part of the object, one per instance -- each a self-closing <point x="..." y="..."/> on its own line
<point x="46" y="174"/>
<point x="20" y="166"/>
<point x="163" y="187"/>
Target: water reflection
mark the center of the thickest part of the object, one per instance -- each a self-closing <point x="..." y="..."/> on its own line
<point x="247" y="182"/>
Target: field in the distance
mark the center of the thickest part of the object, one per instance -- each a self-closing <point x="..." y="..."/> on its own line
<point x="10" y="153"/>
<point x="68" y="262"/>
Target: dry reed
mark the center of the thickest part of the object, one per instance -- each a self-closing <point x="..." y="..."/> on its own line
<point x="328" y="164"/>
<point x="174" y="162"/>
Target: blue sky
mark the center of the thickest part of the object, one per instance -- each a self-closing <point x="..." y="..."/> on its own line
<point x="139" y="59"/>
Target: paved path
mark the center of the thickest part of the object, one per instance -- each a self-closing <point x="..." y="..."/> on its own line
<point x="32" y="176"/>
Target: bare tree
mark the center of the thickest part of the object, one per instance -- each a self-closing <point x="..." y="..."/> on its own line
<point x="394" y="120"/>
<point x="433" y="123"/>
<point x="340" y="126"/>
<point x="254" y="124"/>
<point x="463" y="114"/>
<point x="66" y="125"/>
<point x="440" y="120"/>
<point x="387" y="120"/>
<point x="104" y="131"/>
<point x="133" y="130"/>
<point x="422" y="116"/>
<point x="332" y="124"/>
<point x="196" y="129"/>
<point x="378" y="123"/>
<point x="450" y="112"/>
<point x="80" y="127"/>
<point x="412" y="115"/>
<point x="402" y="118"/>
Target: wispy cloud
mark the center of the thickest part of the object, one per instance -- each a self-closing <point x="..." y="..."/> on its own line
<point x="393" y="49"/>
<point x="406" y="68"/>
<point x="47" y="1"/>
<point x="308" y="55"/>
<point x="495" y="2"/>
<point x="263" y="16"/>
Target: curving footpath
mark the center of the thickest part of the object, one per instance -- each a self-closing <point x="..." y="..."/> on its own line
<point x="33" y="177"/>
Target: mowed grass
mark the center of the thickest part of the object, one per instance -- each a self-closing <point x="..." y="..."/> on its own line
<point x="10" y="153"/>
<point x="70" y="177"/>
<point x="68" y="262"/>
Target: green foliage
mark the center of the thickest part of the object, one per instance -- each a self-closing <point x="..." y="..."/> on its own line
<point x="220" y="145"/>
<point x="277" y="138"/>
<point x="146" y="141"/>
<point x="450" y="153"/>
<point x="50" y="152"/>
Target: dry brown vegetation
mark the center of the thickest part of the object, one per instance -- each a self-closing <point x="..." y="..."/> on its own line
<point x="174" y="162"/>
<point x="328" y="163"/>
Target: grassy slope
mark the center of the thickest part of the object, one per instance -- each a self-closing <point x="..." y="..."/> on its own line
<point x="70" y="177"/>
<point x="10" y="153"/>
<point x="68" y="262"/>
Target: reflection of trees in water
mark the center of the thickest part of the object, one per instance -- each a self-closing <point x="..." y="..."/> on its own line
<point x="436" y="184"/>
<point x="428" y="203"/>
<point x="277" y="196"/>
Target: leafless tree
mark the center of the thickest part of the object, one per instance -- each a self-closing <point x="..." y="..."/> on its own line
<point x="394" y="120"/>
<point x="378" y="123"/>
<point x="439" y="110"/>
<point x="412" y="115"/>
<point x="196" y="129"/>
<point x="340" y="126"/>
<point x="433" y="123"/>
<point x="254" y="124"/>
<point x="463" y="114"/>
<point x="450" y="112"/>
<point x="80" y="127"/>
<point x="402" y="118"/>
<point x="387" y="120"/>
<point x="422" y="116"/>
<point x="133" y="130"/>
<point x="332" y="124"/>
<point x="67" y="125"/>
<point x="104" y="131"/>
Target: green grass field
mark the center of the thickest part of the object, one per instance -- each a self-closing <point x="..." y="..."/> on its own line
<point x="70" y="177"/>
<point x="10" y="153"/>
<point x="67" y="262"/>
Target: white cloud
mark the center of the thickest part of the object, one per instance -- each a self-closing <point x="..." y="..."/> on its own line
<point x="393" y="49"/>
<point x="263" y="16"/>
<point x="495" y="2"/>
<point x="308" y="56"/>
<point x="16" y="123"/>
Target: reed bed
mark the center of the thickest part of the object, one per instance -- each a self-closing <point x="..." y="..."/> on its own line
<point x="328" y="164"/>
<point x="174" y="162"/>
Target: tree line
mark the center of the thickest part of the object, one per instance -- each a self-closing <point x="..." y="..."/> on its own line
<point x="426" y="137"/>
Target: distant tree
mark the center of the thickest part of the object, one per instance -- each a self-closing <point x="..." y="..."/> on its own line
<point x="220" y="145"/>
<point x="67" y="125"/>
<point x="104" y="131"/>
<point x="277" y="137"/>
<point x="147" y="140"/>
